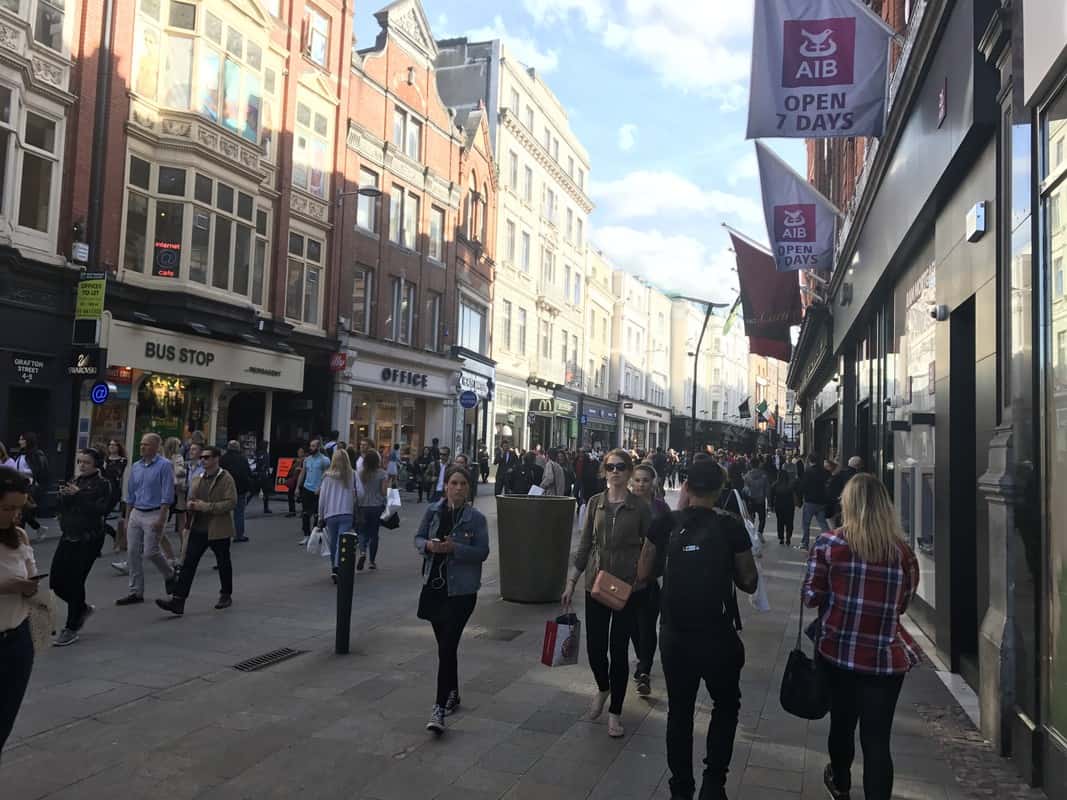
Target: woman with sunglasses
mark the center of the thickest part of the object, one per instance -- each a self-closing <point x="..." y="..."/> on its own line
<point x="453" y="540"/>
<point x="613" y="536"/>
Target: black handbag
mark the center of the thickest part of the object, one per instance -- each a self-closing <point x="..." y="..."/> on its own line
<point x="805" y="692"/>
<point x="433" y="598"/>
<point x="392" y="522"/>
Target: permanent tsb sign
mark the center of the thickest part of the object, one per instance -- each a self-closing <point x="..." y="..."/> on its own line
<point x="818" y="70"/>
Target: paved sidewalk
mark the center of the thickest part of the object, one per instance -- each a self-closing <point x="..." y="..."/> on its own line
<point x="148" y="706"/>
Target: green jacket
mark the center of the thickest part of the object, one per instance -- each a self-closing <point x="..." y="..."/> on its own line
<point x="612" y="542"/>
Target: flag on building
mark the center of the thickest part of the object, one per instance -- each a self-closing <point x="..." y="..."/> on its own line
<point x="800" y="221"/>
<point x="761" y="407"/>
<point x="743" y="410"/>
<point x="819" y="69"/>
<point x="770" y="300"/>
<point x="732" y="316"/>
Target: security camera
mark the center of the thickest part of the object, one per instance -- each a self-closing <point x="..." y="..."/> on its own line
<point x="939" y="313"/>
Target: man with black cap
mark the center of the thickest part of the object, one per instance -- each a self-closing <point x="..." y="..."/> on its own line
<point x="702" y="553"/>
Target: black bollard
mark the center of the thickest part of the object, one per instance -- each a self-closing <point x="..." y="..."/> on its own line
<point x="346" y="584"/>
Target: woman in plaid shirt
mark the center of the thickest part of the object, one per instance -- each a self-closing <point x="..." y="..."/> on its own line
<point x="861" y="577"/>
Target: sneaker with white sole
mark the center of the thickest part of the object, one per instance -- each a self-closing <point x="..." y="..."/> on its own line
<point x="437" y="721"/>
<point x="121" y="567"/>
<point x="66" y="637"/>
<point x="452" y="704"/>
<point x="596" y="706"/>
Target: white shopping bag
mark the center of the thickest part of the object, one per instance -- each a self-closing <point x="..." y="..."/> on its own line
<point x="392" y="501"/>
<point x="535" y="491"/>
<point x="759" y="600"/>
<point x="581" y="515"/>
<point x="750" y="525"/>
<point x="318" y="543"/>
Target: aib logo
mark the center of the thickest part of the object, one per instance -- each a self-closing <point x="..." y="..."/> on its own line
<point x="794" y="223"/>
<point x="818" y="52"/>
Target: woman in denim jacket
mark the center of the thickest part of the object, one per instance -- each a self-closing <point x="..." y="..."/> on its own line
<point x="454" y="541"/>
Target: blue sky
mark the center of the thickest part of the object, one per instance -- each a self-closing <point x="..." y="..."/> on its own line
<point x="656" y="90"/>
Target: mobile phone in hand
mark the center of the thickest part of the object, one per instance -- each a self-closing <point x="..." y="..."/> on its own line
<point x="39" y="576"/>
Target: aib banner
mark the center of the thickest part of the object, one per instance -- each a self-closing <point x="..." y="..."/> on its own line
<point x="818" y="70"/>
<point x="800" y="221"/>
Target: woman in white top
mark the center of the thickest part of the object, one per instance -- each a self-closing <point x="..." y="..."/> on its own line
<point x="17" y="567"/>
<point x="5" y="458"/>
<point x="336" y="496"/>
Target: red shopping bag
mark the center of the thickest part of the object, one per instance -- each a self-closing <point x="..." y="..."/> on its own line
<point x="562" y="640"/>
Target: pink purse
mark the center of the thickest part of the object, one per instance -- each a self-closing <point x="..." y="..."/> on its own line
<point x="611" y="591"/>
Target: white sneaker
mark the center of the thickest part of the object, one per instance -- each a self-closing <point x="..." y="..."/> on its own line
<point x="121" y="567"/>
<point x="615" y="729"/>
<point x="596" y="707"/>
<point x="437" y="721"/>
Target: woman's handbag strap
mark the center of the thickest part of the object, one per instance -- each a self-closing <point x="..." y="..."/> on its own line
<point x="800" y="623"/>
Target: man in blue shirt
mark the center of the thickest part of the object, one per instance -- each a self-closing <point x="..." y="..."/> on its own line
<point x="149" y="496"/>
<point x="315" y="465"/>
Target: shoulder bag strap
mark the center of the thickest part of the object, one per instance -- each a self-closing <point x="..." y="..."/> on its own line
<point x="800" y="622"/>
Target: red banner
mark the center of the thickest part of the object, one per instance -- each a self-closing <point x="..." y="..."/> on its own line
<point x="770" y="300"/>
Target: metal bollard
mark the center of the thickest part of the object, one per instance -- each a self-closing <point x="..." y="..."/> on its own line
<point x="346" y="584"/>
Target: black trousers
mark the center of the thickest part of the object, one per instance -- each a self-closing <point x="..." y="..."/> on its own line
<point x="291" y="494"/>
<point x="309" y="508"/>
<point x="448" y="629"/>
<point x="689" y="658"/>
<point x="646" y="630"/>
<point x="784" y="516"/>
<point x="16" y="664"/>
<point x="869" y="701"/>
<point x="609" y="632"/>
<point x="194" y="551"/>
<point x="71" y="565"/>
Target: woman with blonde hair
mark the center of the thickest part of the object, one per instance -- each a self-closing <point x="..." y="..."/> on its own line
<point x="336" y="498"/>
<point x="861" y="577"/>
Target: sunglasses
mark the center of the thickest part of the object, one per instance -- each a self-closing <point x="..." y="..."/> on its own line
<point x="615" y="466"/>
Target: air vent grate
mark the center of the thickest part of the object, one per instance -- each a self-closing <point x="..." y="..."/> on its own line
<point x="267" y="659"/>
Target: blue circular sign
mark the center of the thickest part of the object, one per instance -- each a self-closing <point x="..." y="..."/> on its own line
<point x="99" y="393"/>
<point x="468" y="399"/>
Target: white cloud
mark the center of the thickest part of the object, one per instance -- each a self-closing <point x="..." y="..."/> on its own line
<point x="627" y="137"/>
<point x="694" y="47"/>
<point x="644" y="193"/>
<point x="743" y="169"/>
<point x="674" y="264"/>
<point x="520" y="45"/>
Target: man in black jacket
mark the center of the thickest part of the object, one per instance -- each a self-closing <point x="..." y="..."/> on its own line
<point x="813" y="491"/>
<point x="237" y="465"/>
<point x="506" y="460"/>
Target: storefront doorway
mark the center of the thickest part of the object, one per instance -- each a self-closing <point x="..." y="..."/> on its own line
<point x="27" y="410"/>
<point x="172" y="406"/>
<point x="244" y="419"/>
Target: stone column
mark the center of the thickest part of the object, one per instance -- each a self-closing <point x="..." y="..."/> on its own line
<point x="996" y="651"/>
<point x="341" y="408"/>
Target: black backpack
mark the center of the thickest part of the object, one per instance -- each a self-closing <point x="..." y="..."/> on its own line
<point x="698" y="573"/>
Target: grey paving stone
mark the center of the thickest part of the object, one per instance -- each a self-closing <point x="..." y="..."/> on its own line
<point x="486" y="780"/>
<point x="786" y="780"/>
<point x="507" y="758"/>
<point x="549" y="721"/>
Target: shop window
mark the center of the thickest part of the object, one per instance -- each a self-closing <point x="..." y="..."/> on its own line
<point x="432" y="321"/>
<point x="303" y="288"/>
<point x="361" y="300"/>
<point x="521" y="337"/>
<point x="173" y="406"/>
<point x="471" y="327"/>
<point x="367" y="207"/>
<point x="316" y="35"/>
<point x="310" y="149"/>
<point x="436" y="249"/>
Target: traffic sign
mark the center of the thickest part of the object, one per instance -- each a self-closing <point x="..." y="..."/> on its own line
<point x="100" y="393"/>
<point x="468" y="399"/>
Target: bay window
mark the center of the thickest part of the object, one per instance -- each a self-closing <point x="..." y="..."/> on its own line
<point x="222" y="227"/>
<point x="39" y="162"/>
<point x="48" y="24"/>
<point x="303" y="283"/>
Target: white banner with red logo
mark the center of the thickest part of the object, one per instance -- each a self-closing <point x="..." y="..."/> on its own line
<point x="818" y="70"/>
<point x="800" y="221"/>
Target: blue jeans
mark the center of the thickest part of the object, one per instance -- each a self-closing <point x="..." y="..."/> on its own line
<point x="810" y="511"/>
<point x="369" y="521"/>
<point x="335" y="526"/>
<point x="239" y="518"/>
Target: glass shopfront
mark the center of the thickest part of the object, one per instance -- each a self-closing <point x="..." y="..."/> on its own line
<point x="387" y="419"/>
<point x="173" y="406"/>
<point x="1053" y="211"/>
<point x="509" y="421"/>
<point x="634" y="433"/>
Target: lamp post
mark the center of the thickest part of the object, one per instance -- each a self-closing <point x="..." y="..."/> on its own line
<point x="709" y="307"/>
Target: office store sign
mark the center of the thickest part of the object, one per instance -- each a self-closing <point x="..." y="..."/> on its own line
<point x="818" y="70"/>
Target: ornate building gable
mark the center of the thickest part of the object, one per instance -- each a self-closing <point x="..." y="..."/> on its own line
<point x="407" y="21"/>
<point x="256" y="12"/>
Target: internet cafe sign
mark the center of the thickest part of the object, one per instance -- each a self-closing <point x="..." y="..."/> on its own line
<point x="818" y="70"/>
<point x="156" y="350"/>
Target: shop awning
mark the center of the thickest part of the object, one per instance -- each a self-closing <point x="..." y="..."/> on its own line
<point x="770" y="300"/>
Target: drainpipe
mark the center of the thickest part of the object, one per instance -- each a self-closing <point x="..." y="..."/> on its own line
<point x="99" y="148"/>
